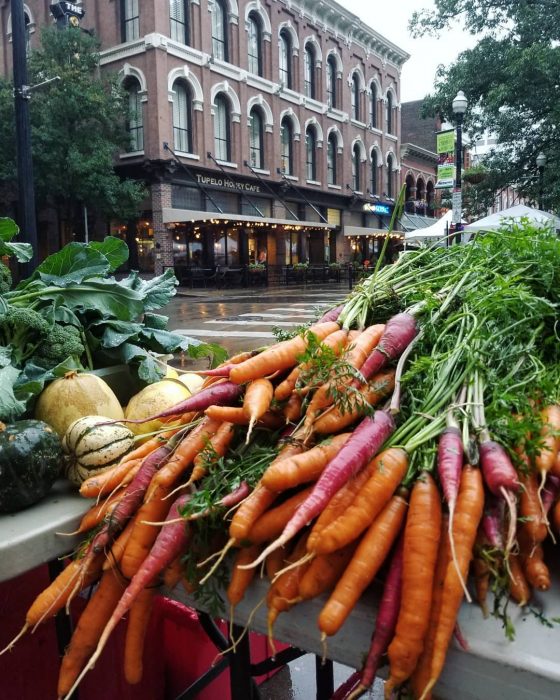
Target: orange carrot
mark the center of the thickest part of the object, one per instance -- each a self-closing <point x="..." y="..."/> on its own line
<point x="292" y="409"/>
<point x="467" y="516"/>
<point x="241" y="578"/>
<point x="249" y="511"/>
<point x="231" y="414"/>
<point x="334" y="419"/>
<point x="421" y="542"/>
<point x="256" y="403"/>
<point x="275" y="561"/>
<point x="389" y="469"/>
<point x="481" y="573"/>
<point x="88" y="630"/>
<point x="137" y="627"/>
<point x="173" y="573"/>
<point x="108" y="481"/>
<point x="97" y="512"/>
<point x="280" y="356"/>
<point x="273" y="521"/>
<point x="194" y="442"/>
<point x="550" y="440"/>
<point x="114" y="556"/>
<point x="217" y="447"/>
<point x="422" y="673"/>
<point x="531" y="556"/>
<point x="363" y="345"/>
<point x="325" y="571"/>
<point x="518" y="587"/>
<point x="364" y="565"/>
<point x="530" y="508"/>
<point x="304" y="467"/>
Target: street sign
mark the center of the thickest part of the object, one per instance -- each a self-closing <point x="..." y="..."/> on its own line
<point x="457" y="206"/>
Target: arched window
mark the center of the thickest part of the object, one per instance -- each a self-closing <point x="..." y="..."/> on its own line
<point x="254" y="44"/>
<point x="222" y="137"/>
<point x="256" y="138"/>
<point x="373" y="173"/>
<point x="389" y="113"/>
<point x="311" y="153"/>
<point x="130" y="20"/>
<point x="309" y="71"/>
<point x="286" y="146"/>
<point x="390" y="176"/>
<point x="373" y="106"/>
<point x="331" y="81"/>
<point x="182" y="117"/>
<point x="219" y="31"/>
<point x="410" y="194"/>
<point x="179" y="20"/>
<point x="285" y="65"/>
<point x="356" y="97"/>
<point x="356" y="184"/>
<point x="135" y="120"/>
<point x="331" y="159"/>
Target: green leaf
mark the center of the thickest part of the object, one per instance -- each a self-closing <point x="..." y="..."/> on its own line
<point x="196" y="350"/>
<point x="114" y="333"/>
<point x="8" y="229"/>
<point x="32" y="380"/>
<point x="156" y="292"/>
<point x="158" y="321"/>
<point x="149" y="370"/>
<point x="72" y="264"/>
<point x="10" y="407"/>
<point x="163" y="341"/>
<point x="114" y="249"/>
<point x="5" y="356"/>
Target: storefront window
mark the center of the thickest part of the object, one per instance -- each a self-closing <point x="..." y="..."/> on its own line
<point x="292" y="248"/>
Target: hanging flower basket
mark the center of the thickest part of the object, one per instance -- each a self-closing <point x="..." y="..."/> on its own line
<point x="474" y="176"/>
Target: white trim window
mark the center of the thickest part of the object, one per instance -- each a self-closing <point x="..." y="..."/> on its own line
<point x="135" y="121"/>
<point x="311" y="154"/>
<point x="219" y="31"/>
<point x="356" y="184"/>
<point x="254" y="44"/>
<point x="182" y="117"/>
<point x="256" y="139"/>
<point x="222" y="136"/>
<point x="286" y="147"/>
<point x="309" y="71"/>
<point x="332" y="148"/>
<point x="130" y="22"/>
<point x="179" y="20"/>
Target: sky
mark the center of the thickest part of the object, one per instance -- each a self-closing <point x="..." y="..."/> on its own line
<point x="391" y="19"/>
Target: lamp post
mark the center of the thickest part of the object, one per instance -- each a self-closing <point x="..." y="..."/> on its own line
<point x="541" y="162"/>
<point x="459" y="108"/>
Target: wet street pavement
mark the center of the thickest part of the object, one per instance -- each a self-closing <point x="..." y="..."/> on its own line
<point x="243" y="319"/>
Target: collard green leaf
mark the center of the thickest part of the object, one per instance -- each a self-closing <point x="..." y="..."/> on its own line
<point x="216" y="353"/>
<point x="114" y="249"/>
<point x="113" y="333"/>
<point x="156" y="292"/>
<point x="21" y="251"/>
<point x="75" y="262"/>
<point x="156" y="321"/>
<point x="10" y="407"/>
<point x="149" y="369"/>
<point x="163" y="341"/>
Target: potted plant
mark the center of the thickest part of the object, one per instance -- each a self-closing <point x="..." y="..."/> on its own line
<point x="256" y="267"/>
<point x="475" y="174"/>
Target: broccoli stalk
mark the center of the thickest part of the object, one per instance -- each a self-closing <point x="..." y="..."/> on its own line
<point x="23" y="331"/>
<point x="62" y="342"/>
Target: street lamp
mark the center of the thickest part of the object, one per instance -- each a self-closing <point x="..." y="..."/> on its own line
<point x="541" y="162"/>
<point x="459" y="108"/>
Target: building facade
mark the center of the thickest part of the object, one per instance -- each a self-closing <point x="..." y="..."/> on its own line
<point x="261" y="127"/>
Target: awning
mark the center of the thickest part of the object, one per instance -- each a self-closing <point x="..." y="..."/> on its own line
<point x="183" y="215"/>
<point x="364" y="231"/>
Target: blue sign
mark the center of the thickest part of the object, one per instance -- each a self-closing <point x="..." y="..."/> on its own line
<point x="379" y="209"/>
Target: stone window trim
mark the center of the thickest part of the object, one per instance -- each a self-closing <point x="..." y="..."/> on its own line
<point x="292" y="116"/>
<point x="232" y="10"/>
<point x="294" y="36"/>
<point x="184" y="73"/>
<point x="338" y="136"/>
<point x="257" y="8"/>
<point x="226" y="89"/>
<point x="312" y="39"/>
<point x="314" y="124"/>
<point x="128" y="71"/>
<point x="31" y="25"/>
<point x="259" y="101"/>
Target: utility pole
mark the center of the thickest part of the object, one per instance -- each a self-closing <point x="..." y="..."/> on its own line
<point x="26" y="218"/>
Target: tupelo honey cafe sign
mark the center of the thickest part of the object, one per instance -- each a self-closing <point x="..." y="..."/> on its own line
<point x="227" y="183"/>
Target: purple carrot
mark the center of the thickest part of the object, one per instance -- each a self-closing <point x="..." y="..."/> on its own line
<point x="491" y="523"/>
<point x="170" y="543"/>
<point x="332" y="314"/>
<point x="222" y="394"/>
<point x="550" y="492"/>
<point x="399" y="332"/>
<point x="363" y="445"/>
<point x="385" y="625"/>
<point x="501" y="478"/>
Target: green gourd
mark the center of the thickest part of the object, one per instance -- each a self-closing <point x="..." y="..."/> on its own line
<point x="31" y="460"/>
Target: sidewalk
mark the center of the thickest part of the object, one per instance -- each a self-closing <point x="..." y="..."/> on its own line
<point x="263" y="293"/>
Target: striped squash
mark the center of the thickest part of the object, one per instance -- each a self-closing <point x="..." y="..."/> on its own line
<point x="92" y="448"/>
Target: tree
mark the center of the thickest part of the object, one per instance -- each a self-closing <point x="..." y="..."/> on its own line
<point x="78" y="126"/>
<point x="511" y="81"/>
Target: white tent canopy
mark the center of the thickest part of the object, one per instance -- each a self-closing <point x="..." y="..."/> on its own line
<point x="440" y="229"/>
<point x="518" y="212"/>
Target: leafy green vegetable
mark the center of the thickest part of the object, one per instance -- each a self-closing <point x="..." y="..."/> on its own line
<point x="22" y="252"/>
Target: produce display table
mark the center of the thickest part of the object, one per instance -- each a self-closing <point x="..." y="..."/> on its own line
<point x="492" y="668"/>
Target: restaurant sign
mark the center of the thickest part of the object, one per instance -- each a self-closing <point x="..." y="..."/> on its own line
<point x="227" y="183"/>
<point x="379" y="208"/>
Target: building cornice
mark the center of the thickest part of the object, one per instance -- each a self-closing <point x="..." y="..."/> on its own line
<point x="413" y="151"/>
<point x="331" y="17"/>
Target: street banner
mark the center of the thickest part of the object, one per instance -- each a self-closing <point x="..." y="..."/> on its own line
<point x="445" y="146"/>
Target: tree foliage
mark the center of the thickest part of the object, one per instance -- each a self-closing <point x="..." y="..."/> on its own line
<point x="78" y="126"/>
<point x="511" y="79"/>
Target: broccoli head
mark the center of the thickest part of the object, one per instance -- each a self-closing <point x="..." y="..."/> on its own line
<point x="61" y="343"/>
<point x="5" y="278"/>
<point x="23" y="331"/>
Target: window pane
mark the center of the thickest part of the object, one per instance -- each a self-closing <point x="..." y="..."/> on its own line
<point x="389" y="176"/>
<point x="356" y="169"/>
<point x="135" y="118"/>
<point x="221" y="130"/>
<point x="309" y="72"/>
<point x="219" y="46"/>
<point x="389" y="113"/>
<point x="373" y="178"/>
<point x="256" y="139"/>
<point x="331" y="161"/>
<point x="331" y="82"/>
<point x="310" y="153"/>
<point x="178" y="20"/>
<point x="373" y="107"/>
<point x="355" y="98"/>
<point x="131" y="20"/>
<point x="285" y="62"/>
<point x="182" y="118"/>
<point x="254" y="46"/>
<point x="286" y="147"/>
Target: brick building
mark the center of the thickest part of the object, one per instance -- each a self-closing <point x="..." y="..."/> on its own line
<point x="282" y="119"/>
